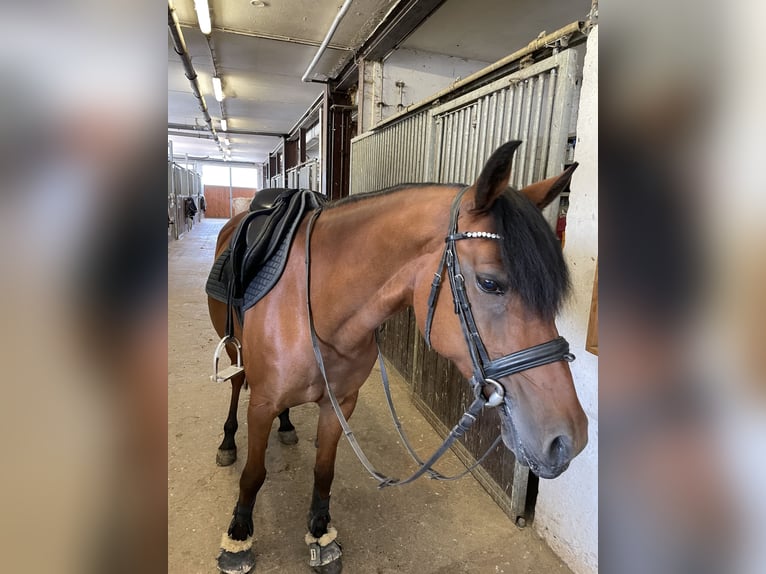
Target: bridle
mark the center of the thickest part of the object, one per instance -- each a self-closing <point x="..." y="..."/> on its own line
<point x="485" y="370"/>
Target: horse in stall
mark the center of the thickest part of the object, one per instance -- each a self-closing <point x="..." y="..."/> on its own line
<point x="384" y="251"/>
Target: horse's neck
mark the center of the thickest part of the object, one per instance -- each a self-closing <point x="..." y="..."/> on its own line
<point x="371" y="252"/>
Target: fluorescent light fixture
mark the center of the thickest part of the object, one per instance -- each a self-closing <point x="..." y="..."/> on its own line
<point x="217" y="89"/>
<point x="223" y="125"/>
<point x="203" y="16"/>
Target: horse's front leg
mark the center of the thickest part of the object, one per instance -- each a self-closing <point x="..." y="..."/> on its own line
<point x="236" y="556"/>
<point x="324" y="550"/>
<point x="227" y="451"/>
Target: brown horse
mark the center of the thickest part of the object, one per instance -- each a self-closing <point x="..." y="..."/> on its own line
<point x="380" y="250"/>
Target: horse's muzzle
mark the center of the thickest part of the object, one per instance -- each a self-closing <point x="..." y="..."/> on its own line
<point x="551" y="462"/>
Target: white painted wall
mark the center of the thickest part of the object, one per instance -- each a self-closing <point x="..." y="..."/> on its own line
<point x="423" y="74"/>
<point x="566" y="515"/>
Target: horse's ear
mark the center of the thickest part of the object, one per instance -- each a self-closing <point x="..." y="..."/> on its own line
<point x="545" y="191"/>
<point x="494" y="177"/>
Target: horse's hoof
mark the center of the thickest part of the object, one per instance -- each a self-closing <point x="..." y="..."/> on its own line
<point x="325" y="553"/>
<point x="334" y="567"/>
<point x="289" y="437"/>
<point x="225" y="457"/>
<point x="236" y="562"/>
<point x="236" y="556"/>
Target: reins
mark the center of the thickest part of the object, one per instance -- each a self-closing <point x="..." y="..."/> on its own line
<point x="463" y="425"/>
<point x="485" y="370"/>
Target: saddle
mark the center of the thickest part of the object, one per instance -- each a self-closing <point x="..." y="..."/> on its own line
<point x="257" y="254"/>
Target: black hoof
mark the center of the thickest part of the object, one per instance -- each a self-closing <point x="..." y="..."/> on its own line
<point x="237" y="562"/>
<point x="289" y="437"/>
<point x="326" y="559"/>
<point x="226" y="457"/>
<point x="334" y="567"/>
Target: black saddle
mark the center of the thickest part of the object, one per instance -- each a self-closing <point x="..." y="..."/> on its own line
<point x="257" y="253"/>
<point x="266" y="198"/>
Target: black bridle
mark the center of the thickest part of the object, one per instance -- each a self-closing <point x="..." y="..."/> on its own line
<point x="485" y="370"/>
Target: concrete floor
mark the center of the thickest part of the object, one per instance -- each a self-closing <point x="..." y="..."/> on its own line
<point x="424" y="528"/>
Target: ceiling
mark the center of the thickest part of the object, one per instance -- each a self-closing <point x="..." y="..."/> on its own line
<point x="262" y="48"/>
<point x="488" y="30"/>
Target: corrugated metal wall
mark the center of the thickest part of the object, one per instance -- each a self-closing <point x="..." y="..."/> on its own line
<point x="304" y="176"/>
<point x="518" y="110"/>
<point x="450" y="144"/>
<point x="394" y="155"/>
<point x="276" y="181"/>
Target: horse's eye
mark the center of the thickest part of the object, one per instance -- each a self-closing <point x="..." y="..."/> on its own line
<point x="489" y="286"/>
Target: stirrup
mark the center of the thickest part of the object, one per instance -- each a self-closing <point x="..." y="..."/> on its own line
<point x="231" y="371"/>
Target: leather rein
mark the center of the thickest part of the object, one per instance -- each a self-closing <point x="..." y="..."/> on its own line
<point x="485" y="370"/>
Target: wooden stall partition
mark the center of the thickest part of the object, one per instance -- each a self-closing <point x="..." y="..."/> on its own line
<point x="442" y="394"/>
<point x="217" y="199"/>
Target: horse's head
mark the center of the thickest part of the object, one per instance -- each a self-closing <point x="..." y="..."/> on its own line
<point x="514" y="286"/>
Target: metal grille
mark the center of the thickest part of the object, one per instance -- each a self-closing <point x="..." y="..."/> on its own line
<point x="518" y="110"/>
<point x="182" y="183"/>
<point x="450" y="143"/>
<point x="304" y="176"/>
<point x="391" y="156"/>
<point x="276" y="181"/>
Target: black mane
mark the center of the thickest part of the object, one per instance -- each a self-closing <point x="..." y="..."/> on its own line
<point x="531" y="253"/>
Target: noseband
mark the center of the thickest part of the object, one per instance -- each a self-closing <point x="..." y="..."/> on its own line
<point x="486" y="371"/>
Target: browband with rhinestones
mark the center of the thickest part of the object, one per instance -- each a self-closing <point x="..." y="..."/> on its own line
<point x="472" y="235"/>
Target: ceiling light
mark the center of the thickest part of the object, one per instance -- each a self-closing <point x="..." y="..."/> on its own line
<point x="203" y="16"/>
<point x="217" y="89"/>
<point x="223" y="125"/>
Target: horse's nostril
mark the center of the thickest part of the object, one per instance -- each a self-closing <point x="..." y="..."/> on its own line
<point x="560" y="450"/>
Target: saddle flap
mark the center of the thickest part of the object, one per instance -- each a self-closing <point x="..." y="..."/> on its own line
<point x="261" y="232"/>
